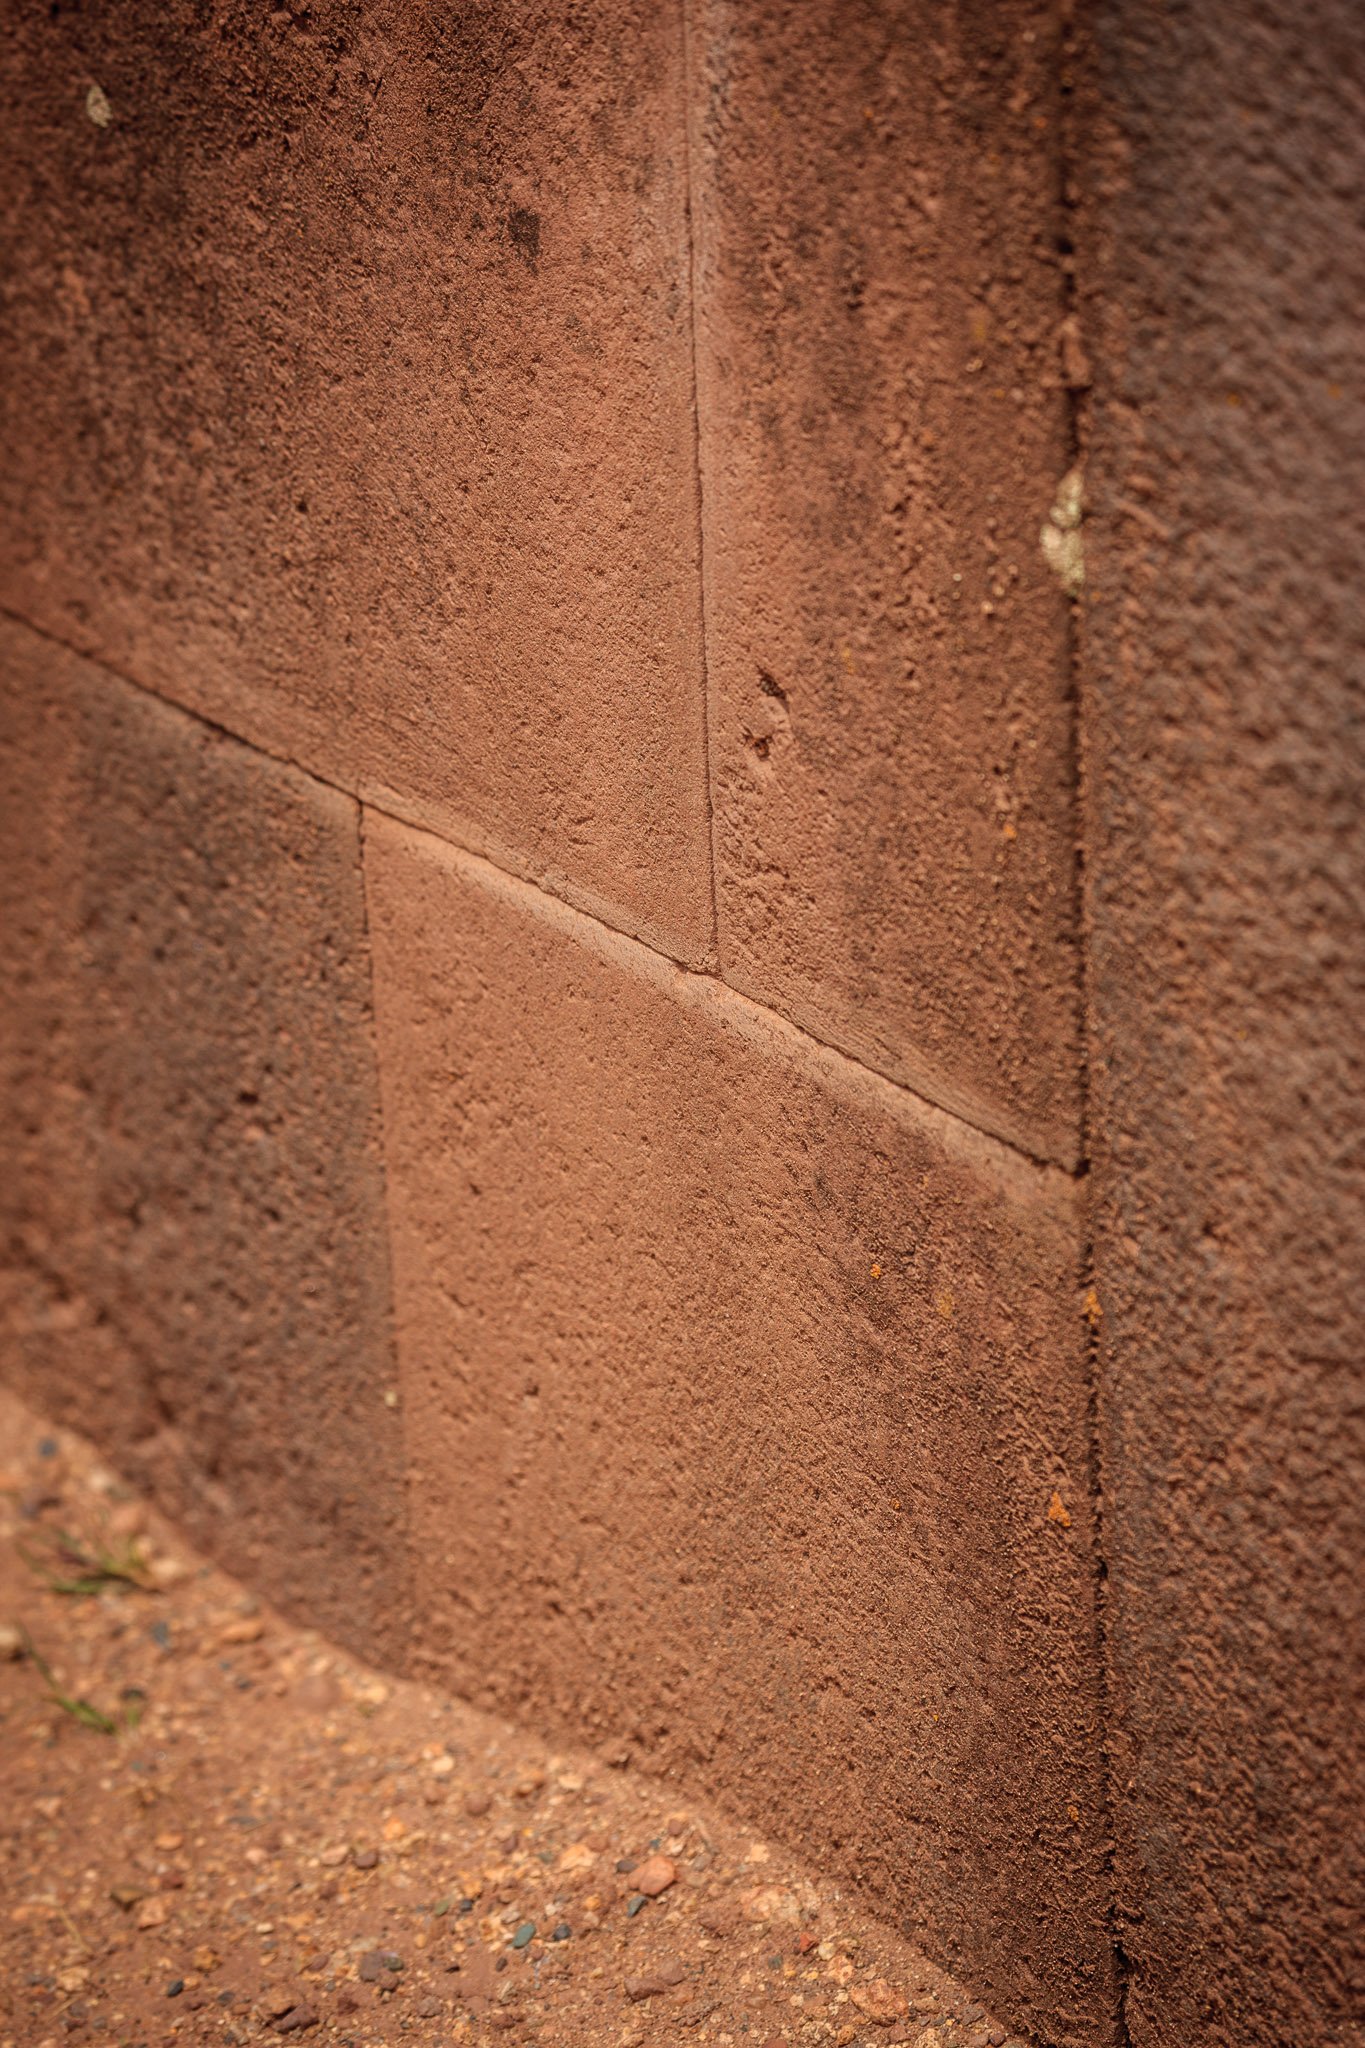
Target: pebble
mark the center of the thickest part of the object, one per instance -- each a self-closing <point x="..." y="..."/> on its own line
<point x="175" y="1987"/>
<point x="476" y="1804"/>
<point x="645" y="1987"/>
<point x="562" y="1932"/>
<point x="11" y="1643"/>
<point x="166" y="1572"/>
<point x="380" y="1966"/>
<point x="248" y="1630"/>
<point x="655" y="1875"/>
<point x="652" y="1985"/>
<point x="524" y="1933"/>
<point x="364" y="1859"/>
<point x="769" y="1902"/>
<point x="318" y="1693"/>
<point x="634" y="1904"/>
<point x="879" y="2001"/>
<point x="296" y="2019"/>
<point x="996" y="2037"/>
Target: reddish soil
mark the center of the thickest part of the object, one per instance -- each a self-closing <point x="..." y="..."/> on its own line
<point x="275" y="1840"/>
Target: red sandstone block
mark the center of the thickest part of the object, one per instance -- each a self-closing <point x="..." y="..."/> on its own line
<point x="882" y="428"/>
<point x="738" y="1386"/>
<point x="348" y="400"/>
<point x="193" y="1263"/>
<point x="1224" y="265"/>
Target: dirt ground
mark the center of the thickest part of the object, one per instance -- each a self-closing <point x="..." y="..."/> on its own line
<point x="217" y="1828"/>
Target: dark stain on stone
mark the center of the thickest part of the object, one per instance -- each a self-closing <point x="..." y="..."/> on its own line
<point x="524" y="228"/>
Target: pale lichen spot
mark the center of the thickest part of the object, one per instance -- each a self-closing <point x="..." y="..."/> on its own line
<point x="97" y="107"/>
<point x="1060" y="539"/>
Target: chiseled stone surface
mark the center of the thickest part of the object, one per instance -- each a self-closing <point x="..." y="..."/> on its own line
<point x="1225" y="269"/>
<point x="348" y="400"/>
<point x="195" y="1263"/>
<point x="739" y="1386"/>
<point x="880" y="312"/>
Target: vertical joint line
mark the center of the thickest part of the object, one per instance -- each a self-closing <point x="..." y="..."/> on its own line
<point x="407" y="1560"/>
<point x="690" y="218"/>
<point x="1070" y="57"/>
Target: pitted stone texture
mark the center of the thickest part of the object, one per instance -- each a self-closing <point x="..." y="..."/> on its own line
<point x="738" y="1387"/>
<point x="1226" y="842"/>
<point x="879" y="306"/>
<point x="195" y="1254"/>
<point x="348" y="400"/>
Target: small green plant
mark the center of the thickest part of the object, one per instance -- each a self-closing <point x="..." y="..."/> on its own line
<point x="74" y="1566"/>
<point x="79" y="1709"/>
<point x="133" y="1698"/>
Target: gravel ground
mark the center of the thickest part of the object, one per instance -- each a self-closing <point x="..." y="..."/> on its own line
<point x="218" y="1828"/>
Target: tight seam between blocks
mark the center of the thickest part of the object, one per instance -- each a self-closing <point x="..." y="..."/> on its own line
<point x="1068" y="170"/>
<point x="1039" y="1161"/>
<point x="684" y="11"/>
<point x="409" y="1586"/>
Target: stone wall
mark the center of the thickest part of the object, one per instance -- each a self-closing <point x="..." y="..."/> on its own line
<point x="645" y="1069"/>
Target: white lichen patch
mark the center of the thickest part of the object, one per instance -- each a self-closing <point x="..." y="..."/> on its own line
<point x="1063" y="548"/>
<point x="98" y="108"/>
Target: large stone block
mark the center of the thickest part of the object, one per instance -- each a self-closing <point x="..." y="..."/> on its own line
<point x="195" y="1265"/>
<point x="739" y="1385"/>
<point x="1225" y="270"/>
<point x="883" y="425"/>
<point x="348" y="400"/>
